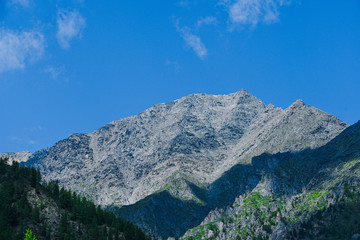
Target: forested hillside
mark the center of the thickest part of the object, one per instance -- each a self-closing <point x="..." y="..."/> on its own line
<point x="52" y="212"/>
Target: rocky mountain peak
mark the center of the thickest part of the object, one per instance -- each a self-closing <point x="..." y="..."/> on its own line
<point x="181" y="147"/>
<point x="199" y="134"/>
<point x="297" y="104"/>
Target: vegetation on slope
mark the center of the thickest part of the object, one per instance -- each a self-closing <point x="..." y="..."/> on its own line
<point x="313" y="194"/>
<point x="53" y="212"/>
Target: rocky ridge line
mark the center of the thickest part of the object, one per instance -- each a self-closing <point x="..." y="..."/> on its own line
<point x="172" y="147"/>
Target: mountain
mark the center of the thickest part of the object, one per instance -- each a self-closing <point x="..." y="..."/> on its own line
<point x="169" y="166"/>
<point x="27" y="202"/>
<point x="311" y="194"/>
<point x="17" y="157"/>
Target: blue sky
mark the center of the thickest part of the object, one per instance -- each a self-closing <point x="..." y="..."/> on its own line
<point x="73" y="66"/>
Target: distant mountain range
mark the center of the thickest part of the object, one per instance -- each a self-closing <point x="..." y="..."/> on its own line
<point x="203" y="159"/>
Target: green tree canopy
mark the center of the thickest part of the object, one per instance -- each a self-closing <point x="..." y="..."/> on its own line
<point x="29" y="235"/>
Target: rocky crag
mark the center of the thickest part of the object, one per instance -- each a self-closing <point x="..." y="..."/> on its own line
<point x="17" y="157"/>
<point x="170" y="165"/>
<point x="311" y="194"/>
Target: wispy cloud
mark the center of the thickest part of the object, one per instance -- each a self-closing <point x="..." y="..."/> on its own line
<point x="35" y="128"/>
<point x="193" y="41"/>
<point x="207" y="21"/>
<point x="54" y="72"/>
<point x="70" y="25"/>
<point x="16" y="49"/>
<point x="239" y="14"/>
<point x="253" y="12"/>
<point x="16" y="139"/>
<point x="183" y="3"/>
<point x="23" y="3"/>
<point x="174" y="64"/>
<point x="31" y="142"/>
<point x="21" y="140"/>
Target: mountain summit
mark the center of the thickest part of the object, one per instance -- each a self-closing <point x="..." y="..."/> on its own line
<point x="172" y="147"/>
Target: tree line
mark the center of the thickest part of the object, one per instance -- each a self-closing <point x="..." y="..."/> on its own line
<point x="80" y="218"/>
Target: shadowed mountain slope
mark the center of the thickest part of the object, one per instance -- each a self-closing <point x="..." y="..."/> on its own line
<point x="305" y="196"/>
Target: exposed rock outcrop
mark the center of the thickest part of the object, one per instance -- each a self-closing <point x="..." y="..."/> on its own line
<point x="311" y="194"/>
<point x="18" y="157"/>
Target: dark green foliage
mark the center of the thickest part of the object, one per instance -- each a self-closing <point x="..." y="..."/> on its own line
<point x="36" y="214"/>
<point x="80" y="218"/>
<point x="63" y="227"/>
<point x="339" y="221"/>
<point x="29" y="235"/>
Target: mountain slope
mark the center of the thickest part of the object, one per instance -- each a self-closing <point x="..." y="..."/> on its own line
<point x="199" y="140"/>
<point x="17" y="157"/>
<point x="51" y="212"/>
<point x="306" y="195"/>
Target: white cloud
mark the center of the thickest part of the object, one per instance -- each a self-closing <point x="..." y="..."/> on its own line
<point x="193" y="41"/>
<point x="70" y="25"/>
<point x="206" y="21"/>
<point x="16" y="49"/>
<point x="23" y="3"/>
<point x="252" y="12"/>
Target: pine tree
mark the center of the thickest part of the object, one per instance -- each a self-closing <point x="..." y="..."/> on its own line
<point x="43" y="229"/>
<point x="36" y="214"/>
<point x="63" y="228"/>
<point x="111" y="234"/>
<point x="5" y="209"/>
<point x="94" y="232"/>
<point x="33" y="180"/>
<point x="38" y="176"/>
<point x="105" y="232"/>
<point x="29" y="235"/>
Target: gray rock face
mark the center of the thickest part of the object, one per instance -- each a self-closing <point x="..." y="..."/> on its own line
<point x="18" y="157"/>
<point x="297" y="198"/>
<point x="198" y="136"/>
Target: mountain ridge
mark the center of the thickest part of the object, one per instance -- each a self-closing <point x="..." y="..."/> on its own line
<point x="199" y="136"/>
<point x="304" y="197"/>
